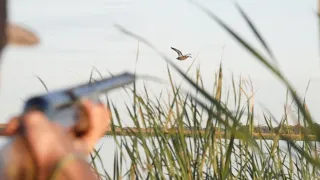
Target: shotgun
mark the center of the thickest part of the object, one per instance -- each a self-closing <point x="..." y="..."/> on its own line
<point x="62" y="106"/>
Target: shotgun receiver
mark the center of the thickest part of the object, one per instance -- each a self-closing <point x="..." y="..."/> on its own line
<point x="61" y="106"/>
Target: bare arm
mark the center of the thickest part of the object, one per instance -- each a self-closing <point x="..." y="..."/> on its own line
<point x="16" y="163"/>
<point x="15" y="160"/>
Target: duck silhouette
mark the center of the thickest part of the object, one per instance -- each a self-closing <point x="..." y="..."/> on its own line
<point x="181" y="57"/>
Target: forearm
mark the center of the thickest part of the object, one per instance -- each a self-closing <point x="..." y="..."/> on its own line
<point x="15" y="161"/>
<point x="76" y="169"/>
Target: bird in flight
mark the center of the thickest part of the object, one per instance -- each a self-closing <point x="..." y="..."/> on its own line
<point x="181" y="57"/>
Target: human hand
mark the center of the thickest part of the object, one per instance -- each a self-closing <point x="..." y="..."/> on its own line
<point x="49" y="142"/>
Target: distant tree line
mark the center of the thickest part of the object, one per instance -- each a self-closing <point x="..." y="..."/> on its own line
<point x="284" y="129"/>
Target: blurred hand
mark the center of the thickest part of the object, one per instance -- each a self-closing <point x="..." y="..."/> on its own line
<point x="49" y="142"/>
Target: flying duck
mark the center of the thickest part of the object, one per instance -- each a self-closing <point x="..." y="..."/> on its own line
<point x="181" y="57"/>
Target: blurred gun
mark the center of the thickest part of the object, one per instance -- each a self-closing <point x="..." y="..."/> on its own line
<point x="62" y="106"/>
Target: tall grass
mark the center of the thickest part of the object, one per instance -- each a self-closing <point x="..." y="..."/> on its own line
<point x="170" y="154"/>
<point x="233" y="154"/>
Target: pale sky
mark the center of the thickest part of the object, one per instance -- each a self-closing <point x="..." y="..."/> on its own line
<point x="78" y="34"/>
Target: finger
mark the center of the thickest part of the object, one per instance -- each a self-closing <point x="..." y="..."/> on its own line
<point x="34" y="124"/>
<point x="40" y="132"/>
<point x="46" y="140"/>
<point x="35" y="120"/>
<point x="99" y="121"/>
<point x="11" y="127"/>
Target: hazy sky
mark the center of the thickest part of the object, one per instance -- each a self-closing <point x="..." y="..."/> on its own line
<point x="78" y="34"/>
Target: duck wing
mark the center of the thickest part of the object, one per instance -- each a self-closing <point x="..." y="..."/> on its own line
<point x="178" y="51"/>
